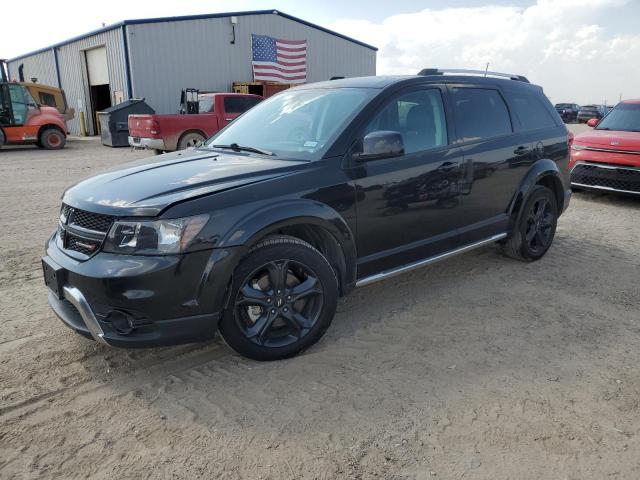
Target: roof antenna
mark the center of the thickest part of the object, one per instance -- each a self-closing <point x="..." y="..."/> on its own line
<point x="486" y="69"/>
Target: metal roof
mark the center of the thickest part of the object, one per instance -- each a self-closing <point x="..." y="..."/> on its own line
<point x="140" y="21"/>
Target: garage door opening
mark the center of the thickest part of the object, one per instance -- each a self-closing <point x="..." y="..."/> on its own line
<point x="99" y="87"/>
<point x="100" y="97"/>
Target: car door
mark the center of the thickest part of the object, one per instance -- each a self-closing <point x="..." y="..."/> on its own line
<point x="492" y="153"/>
<point x="407" y="205"/>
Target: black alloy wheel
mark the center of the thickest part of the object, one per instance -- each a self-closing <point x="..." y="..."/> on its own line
<point x="279" y="303"/>
<point x="539" y="225"/>
<point x="283" y="298"/>
<point x="535" y="226"/>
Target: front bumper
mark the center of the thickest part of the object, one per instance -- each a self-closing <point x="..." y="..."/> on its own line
<point x="147" y="143"/>
<point x="606" y="177"/>
<point x="143" y="301"/>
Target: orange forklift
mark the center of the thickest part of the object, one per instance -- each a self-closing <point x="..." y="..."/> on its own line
<point x="23" y="121"/>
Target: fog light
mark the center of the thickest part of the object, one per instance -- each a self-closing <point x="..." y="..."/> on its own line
<point x="121" y="322"/>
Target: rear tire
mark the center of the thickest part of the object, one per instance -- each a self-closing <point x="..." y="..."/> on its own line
<point x="535" y="227"/>
<point x="283" y="298"/>
<point x="190" y="139"/>
<point x="51" y="139"/>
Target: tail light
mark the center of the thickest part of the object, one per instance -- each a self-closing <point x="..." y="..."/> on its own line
<point x="155" y="127"/>
<point x="572" y="159"/>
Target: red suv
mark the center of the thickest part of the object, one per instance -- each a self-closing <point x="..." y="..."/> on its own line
<point x="608" y="157"/>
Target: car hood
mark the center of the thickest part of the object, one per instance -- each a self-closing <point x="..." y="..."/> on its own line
<point x="610" y="139"/>
<point x="146" y="187"/>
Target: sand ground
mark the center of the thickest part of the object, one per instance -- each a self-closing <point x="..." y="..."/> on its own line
<point x="480" y="367"/>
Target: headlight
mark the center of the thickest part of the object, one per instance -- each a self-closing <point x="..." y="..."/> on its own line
<point x="578" y="147"/>
<point x="160" y="237"/>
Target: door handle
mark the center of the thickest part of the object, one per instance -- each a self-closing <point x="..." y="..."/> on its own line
<point x="521" y="150"/>
<point x="228" y="119"/>
<point x="447" y="167"/>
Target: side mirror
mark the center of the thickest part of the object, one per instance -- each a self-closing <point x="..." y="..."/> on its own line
<point x="381" y="144"/>
<point x="592" y="122"/>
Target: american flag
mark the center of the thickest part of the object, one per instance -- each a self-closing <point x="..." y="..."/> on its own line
<point x="283" y="61"/>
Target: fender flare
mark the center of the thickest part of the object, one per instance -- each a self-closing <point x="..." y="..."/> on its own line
<point x="542" y="171"/>
<point x="262" y="222"/>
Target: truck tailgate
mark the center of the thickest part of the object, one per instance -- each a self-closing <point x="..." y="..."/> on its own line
<point x="144" y="126"/>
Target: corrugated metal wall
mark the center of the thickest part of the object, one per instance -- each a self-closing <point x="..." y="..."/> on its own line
<point x="41" y="65"/>
<point x="166" y="57"/>
<point x="73" y="73"/>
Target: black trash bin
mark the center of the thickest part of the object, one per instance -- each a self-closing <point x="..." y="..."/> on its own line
<point x="114" y="127"/>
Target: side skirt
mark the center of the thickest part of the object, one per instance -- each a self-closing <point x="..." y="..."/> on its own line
<point x="427" y="261"/>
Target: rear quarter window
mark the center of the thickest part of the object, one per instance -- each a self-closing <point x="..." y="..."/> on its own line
<point x="530" y="111"/>
<point x="480" y="113"/>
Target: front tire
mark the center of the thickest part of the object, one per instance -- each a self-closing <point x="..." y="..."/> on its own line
<point x="51" y="139"/>
<point x="535" y="227"/>
<point x="283" y="298"/>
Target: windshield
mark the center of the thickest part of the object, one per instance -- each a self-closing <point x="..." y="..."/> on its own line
<point x="564" y="105"/>
<point x="589" y="108"/>
<point x="298" y="124"/>
<point x="625" y="117"/>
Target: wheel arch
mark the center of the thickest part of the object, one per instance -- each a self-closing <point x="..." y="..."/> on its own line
<point x="544" y="172"/>
<point x="51" y="125"/>
<point x="191" y="130"/>
<point x="315" y="223"/>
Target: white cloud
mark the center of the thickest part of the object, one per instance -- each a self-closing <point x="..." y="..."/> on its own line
<point x="563" y="45"/>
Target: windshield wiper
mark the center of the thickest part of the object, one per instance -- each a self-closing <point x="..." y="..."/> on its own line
<point x="241" y="148"/>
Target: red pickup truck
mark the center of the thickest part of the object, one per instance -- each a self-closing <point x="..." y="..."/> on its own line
<point x="166" y="133"/>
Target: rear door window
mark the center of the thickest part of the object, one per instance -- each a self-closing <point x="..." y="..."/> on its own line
<point x="480" y="113"/>
<point x="530" y="111"/>
<point x="205" y="104"/>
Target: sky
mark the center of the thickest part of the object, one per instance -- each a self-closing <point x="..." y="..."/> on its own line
<point x="583" y="51"/>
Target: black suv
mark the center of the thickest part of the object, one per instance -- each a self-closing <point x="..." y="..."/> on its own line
<point x="313" y="192"/>
<point x="568" y="111"/>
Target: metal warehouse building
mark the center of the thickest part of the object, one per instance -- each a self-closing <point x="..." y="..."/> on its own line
<point x="156" y="58"/>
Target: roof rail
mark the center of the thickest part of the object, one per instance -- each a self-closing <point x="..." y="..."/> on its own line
<point x="483" y="73"/>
